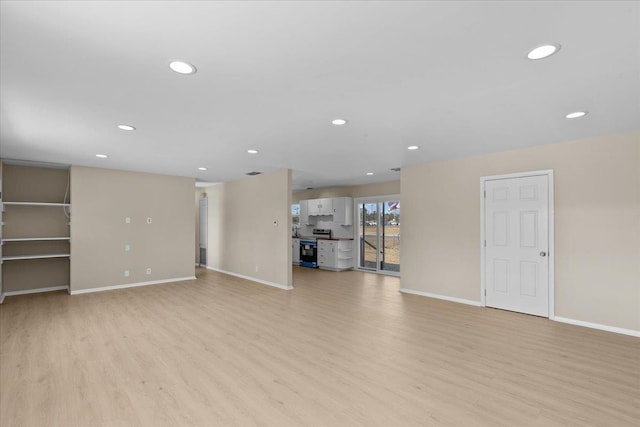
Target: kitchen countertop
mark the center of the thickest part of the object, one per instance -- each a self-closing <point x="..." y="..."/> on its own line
<point x="320" y="238"/>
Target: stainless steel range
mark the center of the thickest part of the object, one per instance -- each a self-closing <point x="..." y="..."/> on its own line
<point x="309" y="247"/>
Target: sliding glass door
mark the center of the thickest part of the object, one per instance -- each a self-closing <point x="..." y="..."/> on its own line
<point x="379" y="234"/>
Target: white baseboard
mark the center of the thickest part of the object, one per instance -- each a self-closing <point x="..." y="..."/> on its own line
<point x="253" y="279"/>
<point x="614" y="329"/>
<point x="130" y="285"/>
<point x="1" y="298"/>
<point x="442" y="297"/>
<point x="35" y="291"/>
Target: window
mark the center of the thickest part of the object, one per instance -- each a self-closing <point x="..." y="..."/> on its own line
<point x="295" y="219"/>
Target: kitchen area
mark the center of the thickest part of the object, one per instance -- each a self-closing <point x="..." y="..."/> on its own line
<point x="323" y="234"/>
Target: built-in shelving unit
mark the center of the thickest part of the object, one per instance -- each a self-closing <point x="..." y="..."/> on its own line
<point x="35" y="233"/>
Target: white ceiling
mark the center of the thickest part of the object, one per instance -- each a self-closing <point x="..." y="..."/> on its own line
<point x="451" y="77"/>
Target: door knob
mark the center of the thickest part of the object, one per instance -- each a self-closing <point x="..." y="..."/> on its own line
<point x="543" y="253"/>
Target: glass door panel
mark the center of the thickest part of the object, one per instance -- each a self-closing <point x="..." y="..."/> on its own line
<point x="368" y="215"/>
<point x="379" y="235"/>
<point x="390" y="236"/>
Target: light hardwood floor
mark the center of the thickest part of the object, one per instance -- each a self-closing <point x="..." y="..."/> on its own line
<point x="341" y="349"/>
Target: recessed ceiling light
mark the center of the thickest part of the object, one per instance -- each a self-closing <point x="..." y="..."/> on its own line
<point x="202" y="168"/>
<point x="339" y="122"/>
<point x="412" y="147"/>
<point x="369" y="173"/>
<point x="543" y="51"/>
<point x="576" y="114"/>
<point x="126" y="127"/>
<point x="182" y="67"/>
<point x="252" y="151"/>
<point x="102" y="156"/>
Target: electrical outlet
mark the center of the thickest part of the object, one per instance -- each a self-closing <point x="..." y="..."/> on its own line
<point x="149" y="220"/>
<point x="127" y="248"/>
<point x="127" y="220"/>
<point x="126" y="273"/>
<point x="256" y="268"/>
<point x="148" y="271"/>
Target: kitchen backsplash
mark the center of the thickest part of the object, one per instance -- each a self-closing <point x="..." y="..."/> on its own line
<point x="337" y="231"/>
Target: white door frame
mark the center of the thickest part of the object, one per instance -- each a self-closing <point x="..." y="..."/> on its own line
<point x="552" y="252"/>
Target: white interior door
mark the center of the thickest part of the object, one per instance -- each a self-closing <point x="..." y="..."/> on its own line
<point x="517" y="244"/>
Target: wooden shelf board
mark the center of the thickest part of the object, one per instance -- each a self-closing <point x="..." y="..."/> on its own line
<point x="39" y="256"/>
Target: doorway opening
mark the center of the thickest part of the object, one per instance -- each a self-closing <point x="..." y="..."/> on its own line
<point x="379" y="234"/>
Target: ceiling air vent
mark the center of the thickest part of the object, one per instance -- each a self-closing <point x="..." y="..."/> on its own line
<point x="253" y="173"/>
<point x="395" y="169"/>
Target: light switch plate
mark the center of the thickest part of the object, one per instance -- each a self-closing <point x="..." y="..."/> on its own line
<point x="149" y="220"/>
<point x="127" y="220"/>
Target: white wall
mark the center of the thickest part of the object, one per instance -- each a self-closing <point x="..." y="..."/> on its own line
<point x="242" y="239"/>
<point x="597" y="225"/>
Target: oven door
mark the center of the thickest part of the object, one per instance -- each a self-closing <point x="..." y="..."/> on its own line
<point x="308" y="253"/>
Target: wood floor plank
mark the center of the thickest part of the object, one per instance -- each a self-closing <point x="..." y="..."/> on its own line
<point x="341" y="349"/>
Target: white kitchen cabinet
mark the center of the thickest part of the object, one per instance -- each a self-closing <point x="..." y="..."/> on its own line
<point x="320" y="206"/>
<point x="325" y="206"/>
<point x="335" y="254"/>
<point x="295" y="251"/>
<point x="343" y="211"/>
<point x="304" y="212"/>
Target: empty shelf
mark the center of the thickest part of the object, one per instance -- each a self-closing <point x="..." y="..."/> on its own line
<point x="34" y="239"/>
<point x="35" y="204"/>
<point x="39" y="256"/>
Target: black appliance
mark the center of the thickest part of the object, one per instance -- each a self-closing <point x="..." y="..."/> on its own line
<point x="309" y="247"/>
<point x="309" y="252"/>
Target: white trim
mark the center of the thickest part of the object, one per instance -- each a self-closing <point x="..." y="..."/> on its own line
<point x="551" y="250"/>
<point x="253" y="279"/>
<point x="35" y="291"/>
<point x="1" y="298"/>
<point x="442" y="297"/>
<point x="130" y="285"/>
<point x="614" y="329"/>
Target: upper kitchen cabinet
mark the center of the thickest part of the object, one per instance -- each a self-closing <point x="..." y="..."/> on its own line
<point x="304" y="212"/>
<point x="343" y="211"/>
<point x="339" y="208"/>
<point x="320" y="206"/>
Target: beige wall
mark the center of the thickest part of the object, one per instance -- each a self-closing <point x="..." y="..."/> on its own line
<point x="241" y="233"/>
<point x="366" y="190"/>
<point x="102" y="198"/>
<point x="597" y="225"/>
